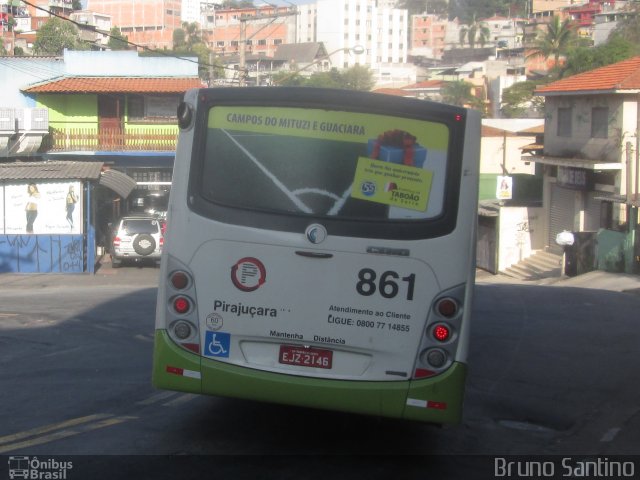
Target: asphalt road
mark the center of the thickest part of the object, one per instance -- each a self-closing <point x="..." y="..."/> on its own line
<point x="553" y="371"/>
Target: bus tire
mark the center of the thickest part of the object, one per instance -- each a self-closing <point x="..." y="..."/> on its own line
<point x="144" y="244"/>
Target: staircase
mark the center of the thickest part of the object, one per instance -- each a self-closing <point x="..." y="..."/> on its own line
<point x="538" y="266"/>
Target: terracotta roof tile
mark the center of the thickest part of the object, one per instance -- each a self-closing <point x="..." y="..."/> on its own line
<point x="116" y="85"/>
<point x="623" y="75"/>
<point x="392" y="91"/>
<point x="426" y="84"/>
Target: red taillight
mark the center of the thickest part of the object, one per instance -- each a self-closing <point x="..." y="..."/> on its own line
<point x="447" y="307"/>
<point x="179" y="280"/>
<point x="442" y="333"/>
<point x="181" y="305"/>
<point x="161" y="241"/>
<point x="423" y="373"/>
<point x="116" y="242"/>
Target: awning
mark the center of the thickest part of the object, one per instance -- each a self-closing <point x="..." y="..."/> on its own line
<point x="573" y="162"/>
<point x="532" y="147"/>
<point x="633" y="200"/>
<point x="57" y="170"/>
<point x="117" y="181"/>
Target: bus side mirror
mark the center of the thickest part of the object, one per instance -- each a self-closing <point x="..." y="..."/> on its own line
<point x="185" y="115"/>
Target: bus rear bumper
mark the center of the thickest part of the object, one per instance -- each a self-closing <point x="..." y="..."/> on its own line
<point x="434" y="400"/>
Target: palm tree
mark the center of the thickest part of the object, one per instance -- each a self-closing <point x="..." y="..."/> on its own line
<point x="555" y="41"/>
<point x="460" y="93"/>
<point x="475" y="32"/>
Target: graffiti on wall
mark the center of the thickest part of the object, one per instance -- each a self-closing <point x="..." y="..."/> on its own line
<point x="41" y="253"/>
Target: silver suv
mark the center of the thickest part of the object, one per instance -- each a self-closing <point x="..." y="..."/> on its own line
<point x="136" y="238"/>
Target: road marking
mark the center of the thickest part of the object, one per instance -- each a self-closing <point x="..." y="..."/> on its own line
<point x="158" y="397"/>
<point x="49" y="428"/>
<point x="65" y="429"/>
<point x="180" y="400"/>
<point x="9" y="314"/>
<point x="610" y="434"/>
<point x="143" y="338"/>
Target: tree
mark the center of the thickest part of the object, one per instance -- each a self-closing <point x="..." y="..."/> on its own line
<point x="556" y="40"/>
<point x="76" y="4"/>
<point x="475" y="32"/>
<point x="459" y="93"/>
<point x="437" y="7"/>
<point x="465" y="10"/>
<point x="56" y="35"/>
<point x="117" y="41"/>
<point x="357" y="77"/>
<point x="330" y="79"/>
<point x="582" y="59"/>
<point x="179" y="38"/>
<point x="3" y="50"/>
<point x="231" y="4"/>
<point x="518" y="101"/>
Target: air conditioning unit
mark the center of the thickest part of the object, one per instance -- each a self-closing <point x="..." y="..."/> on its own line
<point x="32" y="119"/>
<point x="7" y="120"/>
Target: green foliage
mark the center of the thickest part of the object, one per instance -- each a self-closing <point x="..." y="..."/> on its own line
<point x="475" y="32"/>
<point x="228" y="4"/>
<point x="583" y="59"/>
<point x="357" y="77"/>
<point x="187" y="41"/>
<point x="117" y="41"/>
<point x="467" y="10"/>
<point x="459" y="93"/>
<point x="518" y="101"/>
<point x="438" y="7"/>
<point x="179" y="38"/>
<point x="76" y="4"/>
<point x="556" y="40"/>
<point x="3" y="50"/>
<point x="56" y="35"/>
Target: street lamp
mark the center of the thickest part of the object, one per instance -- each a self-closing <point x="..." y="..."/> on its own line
<point x="356" y="50"/>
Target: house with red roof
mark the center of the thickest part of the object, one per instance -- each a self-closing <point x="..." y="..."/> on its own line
<point x="591" y="162"/>
<point x="116" y="111"/>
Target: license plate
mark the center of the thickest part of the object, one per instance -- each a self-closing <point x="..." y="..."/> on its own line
<point x="305" y="357"/>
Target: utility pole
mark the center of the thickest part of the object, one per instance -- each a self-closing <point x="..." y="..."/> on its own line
<point x="243" y="35"/>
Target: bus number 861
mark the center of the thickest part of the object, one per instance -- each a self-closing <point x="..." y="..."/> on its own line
<point x="387" y="285"/>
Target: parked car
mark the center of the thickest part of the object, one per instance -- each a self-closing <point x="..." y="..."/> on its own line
<point x="136" y="238"/>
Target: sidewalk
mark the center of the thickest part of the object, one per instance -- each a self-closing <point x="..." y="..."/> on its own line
<point x="140" y="276"/>
<point x="599" y="280"/>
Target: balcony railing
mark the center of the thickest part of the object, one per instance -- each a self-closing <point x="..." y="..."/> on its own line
<point x="86" y="139"/>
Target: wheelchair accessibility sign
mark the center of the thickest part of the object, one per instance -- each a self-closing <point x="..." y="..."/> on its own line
<point x="217" y="344"/>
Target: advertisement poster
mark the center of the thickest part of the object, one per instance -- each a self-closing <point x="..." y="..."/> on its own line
<point x="323" y="162"/>
<point x="42" y="208"/>
<point x="504" y="190"/>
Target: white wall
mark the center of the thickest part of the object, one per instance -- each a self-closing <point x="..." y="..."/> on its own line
<point x="580" y="144"/>
<point x="383" y="32"/>
<point x="521" y="231"/>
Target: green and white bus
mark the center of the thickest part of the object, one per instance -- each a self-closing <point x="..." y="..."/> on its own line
<point x="320" y="251"/>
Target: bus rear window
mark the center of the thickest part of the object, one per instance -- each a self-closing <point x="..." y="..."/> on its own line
<point x="325" y="163"/>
